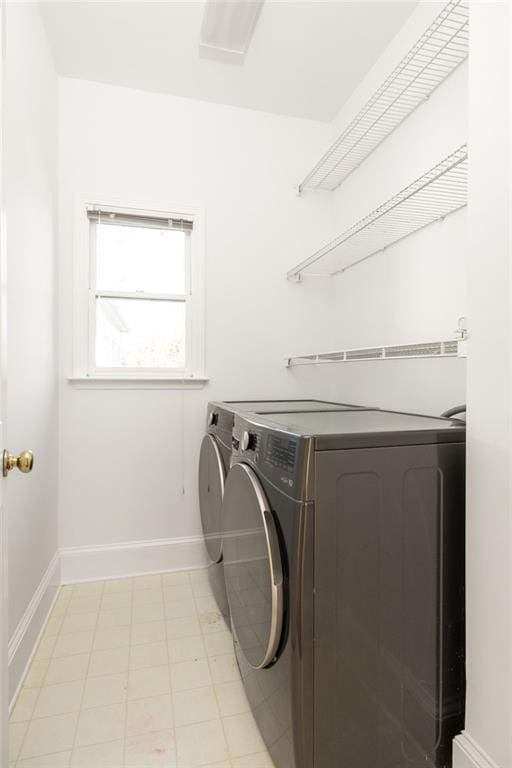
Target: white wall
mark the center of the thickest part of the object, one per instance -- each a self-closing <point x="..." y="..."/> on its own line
<point x="127" y="455"/>
<point x="30" y="199"/>
<point x="416" y="290"/>
<point x="488" y="737"/>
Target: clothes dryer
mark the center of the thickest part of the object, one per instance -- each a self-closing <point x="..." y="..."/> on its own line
<point x="344" y="567"/>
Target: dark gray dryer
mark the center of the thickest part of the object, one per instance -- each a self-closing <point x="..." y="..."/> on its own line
<point x="214" y="460"/>
<point x="344" y="567"/>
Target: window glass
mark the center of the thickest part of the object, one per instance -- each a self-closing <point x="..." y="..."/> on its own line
<point x="140" y="259"/>
<point x="140" y="333"/>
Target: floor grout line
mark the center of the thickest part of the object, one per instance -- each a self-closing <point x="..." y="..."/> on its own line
<point x="228" y="751"/>
<point x="127" y="684"/>
<point x="173" y="714"/>
<point x="85" y="680"/>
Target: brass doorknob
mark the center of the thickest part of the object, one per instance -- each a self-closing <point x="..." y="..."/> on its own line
<point x="24" y="462"/>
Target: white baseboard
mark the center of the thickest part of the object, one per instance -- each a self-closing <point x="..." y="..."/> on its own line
<point x="109" y="561"/>
<point x="26" y="636"/>
<point x="468" y="754"/>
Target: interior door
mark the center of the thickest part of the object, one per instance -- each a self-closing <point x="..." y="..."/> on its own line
<point x="4" y="682"/>
<point x="4" y="698"/>
<point x="252" y="567"/>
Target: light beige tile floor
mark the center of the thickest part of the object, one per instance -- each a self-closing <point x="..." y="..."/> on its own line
<point x="135" y="672"/>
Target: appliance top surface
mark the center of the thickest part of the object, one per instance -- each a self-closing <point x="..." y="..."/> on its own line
<point x="281" y="406"/>
<point x="364" y="427"/>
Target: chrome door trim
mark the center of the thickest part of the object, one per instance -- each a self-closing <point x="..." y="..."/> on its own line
<point x="222" y="474"/>
<point x="220" y="462"/>
<point x="276" y="571"/>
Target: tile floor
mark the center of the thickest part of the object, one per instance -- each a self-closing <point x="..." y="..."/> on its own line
<point x="135" y="672"/>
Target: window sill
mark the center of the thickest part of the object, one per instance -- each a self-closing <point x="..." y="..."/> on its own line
<point x="137" y="382"/>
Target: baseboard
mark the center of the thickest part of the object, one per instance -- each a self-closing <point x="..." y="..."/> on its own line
<point x="109" y="561"/>
<point x="26" y="636"/>
<point x="468" y="754"/>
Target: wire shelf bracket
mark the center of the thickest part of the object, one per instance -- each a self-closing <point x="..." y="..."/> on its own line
<point x="438" y="52"/>
<point x="440" y="191"/>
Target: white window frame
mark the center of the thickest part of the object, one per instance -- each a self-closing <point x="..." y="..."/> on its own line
<point x="85" y="373"/>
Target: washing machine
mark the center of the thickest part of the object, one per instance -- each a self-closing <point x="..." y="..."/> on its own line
<point x="344" y="569"/>
<point x="214" y="461"/>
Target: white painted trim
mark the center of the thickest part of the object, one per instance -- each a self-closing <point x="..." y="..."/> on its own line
<point x="21" y="630"/>
<point x="137" y="382"/>
<point x="468" y="754"/>
<point x="83" y="330"/>
<point x="31" y="625"/>
<point x="109" y="561"/>
<point x="30" y="659"/>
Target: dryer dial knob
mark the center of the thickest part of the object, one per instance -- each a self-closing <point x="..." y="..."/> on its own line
<point x="248" y="442"/>
<point x="213" y="418"/>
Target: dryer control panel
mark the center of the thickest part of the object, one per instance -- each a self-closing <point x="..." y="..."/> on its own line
<point x="277" y="455"/>
<point x="281" y="452"/>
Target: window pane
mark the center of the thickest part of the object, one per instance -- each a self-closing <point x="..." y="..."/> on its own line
<point x="140" y="259"/>
<point x="138" y="333"/>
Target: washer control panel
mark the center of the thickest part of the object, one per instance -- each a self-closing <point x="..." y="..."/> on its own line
<point x="220" y="422"/>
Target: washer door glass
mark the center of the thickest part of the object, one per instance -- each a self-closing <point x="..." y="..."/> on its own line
<point x="211" y="491"/>
<point x="252" y="567"/>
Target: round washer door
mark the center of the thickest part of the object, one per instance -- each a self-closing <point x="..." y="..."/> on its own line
<point x="252" y="567"/>
<point x="212" y="476"/>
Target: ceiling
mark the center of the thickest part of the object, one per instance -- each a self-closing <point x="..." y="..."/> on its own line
<point x="305" y="59"/>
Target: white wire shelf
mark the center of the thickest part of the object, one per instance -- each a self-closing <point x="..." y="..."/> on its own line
<point x="439" y="192"/>
<point x="449" y="348"/>
<point x="438" y="52"/>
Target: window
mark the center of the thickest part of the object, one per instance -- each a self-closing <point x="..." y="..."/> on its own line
<point x="143" y="313"/>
